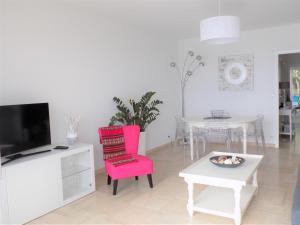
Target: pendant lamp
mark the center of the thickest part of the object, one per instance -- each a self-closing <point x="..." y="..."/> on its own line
<point x="220" y="29"/>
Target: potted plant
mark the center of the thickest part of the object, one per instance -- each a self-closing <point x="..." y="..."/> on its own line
<point x="142" y="113"/>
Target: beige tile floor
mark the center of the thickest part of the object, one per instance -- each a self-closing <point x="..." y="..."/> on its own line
<point x="136" y="203"/>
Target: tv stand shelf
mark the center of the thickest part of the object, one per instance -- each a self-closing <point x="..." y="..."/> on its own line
<point x="74" y="170"/>
<point x="35" y="185"/>
<point x="17" y="156"/>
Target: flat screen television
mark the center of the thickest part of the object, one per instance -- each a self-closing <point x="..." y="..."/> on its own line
<point x="23" y="127"/>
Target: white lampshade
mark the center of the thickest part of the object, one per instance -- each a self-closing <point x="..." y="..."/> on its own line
<point x="220" y="29"/>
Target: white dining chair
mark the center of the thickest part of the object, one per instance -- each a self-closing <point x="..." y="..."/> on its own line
<point x="182" y="135"/>
<point x="255" y="131"/>
<point x="259" y="131"/>
<point x="220" y="135"/>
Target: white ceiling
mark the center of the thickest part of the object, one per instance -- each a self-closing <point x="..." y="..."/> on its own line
<point x="180" y="18"/>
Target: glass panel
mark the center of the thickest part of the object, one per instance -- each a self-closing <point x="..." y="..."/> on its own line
<point x="295" y="83"/>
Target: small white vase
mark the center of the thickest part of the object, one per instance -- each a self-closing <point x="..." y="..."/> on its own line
<point x="142" y="143"/>
<point x="72" y="138"/>
<point x="72" y="128"/>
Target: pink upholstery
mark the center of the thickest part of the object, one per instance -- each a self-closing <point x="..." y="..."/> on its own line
<point x="131" y="136"/>
<point x="143" y="165"/>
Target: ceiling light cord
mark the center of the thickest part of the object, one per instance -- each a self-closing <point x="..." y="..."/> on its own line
<point x="219" y="7"/>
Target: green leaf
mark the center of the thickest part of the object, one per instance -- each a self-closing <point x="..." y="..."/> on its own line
<point x="141" y="113"/>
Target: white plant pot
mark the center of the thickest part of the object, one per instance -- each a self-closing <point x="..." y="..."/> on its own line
<point x="142" y="143"/>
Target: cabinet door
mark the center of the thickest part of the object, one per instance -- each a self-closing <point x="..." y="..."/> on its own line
<point x="33" y="189"/>
<point x="3" y="204"/>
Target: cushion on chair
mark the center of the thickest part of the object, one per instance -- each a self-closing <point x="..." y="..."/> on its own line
<point x="112" y="138"/>
<point x="142" y="166"/>
<point x="122" y="159"/>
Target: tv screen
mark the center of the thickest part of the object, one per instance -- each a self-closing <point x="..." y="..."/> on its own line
<point x="23" y="127"/>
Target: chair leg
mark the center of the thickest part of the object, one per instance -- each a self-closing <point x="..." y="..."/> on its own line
<point x="197" y="143"/>
<point x="203" y="139"/>
<point x="228" y="144"/>
<point x="115" y="187"/>
<point x="228" y="139"/>
<point x="256" y="138"/>
<point x="108" y="180"/>
<point x="240" y="142"/>
<point x="256" y="141"/>
<point x="136" y="178"/>
<point x="176" y="140"/>
<point x="149" y="176"/>
<point x="263" y="140"/>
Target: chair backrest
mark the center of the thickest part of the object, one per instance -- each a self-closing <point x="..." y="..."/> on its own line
<point x="131" y="136"/>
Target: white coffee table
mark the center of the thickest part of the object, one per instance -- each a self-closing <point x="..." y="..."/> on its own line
<point x="230" y="190"/>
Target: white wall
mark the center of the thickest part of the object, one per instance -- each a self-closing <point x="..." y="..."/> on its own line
<point x="76" y="60"/>
<point x="202" y="91"/>
<point x="1" y="97"/>
<point x="1" y="50"/>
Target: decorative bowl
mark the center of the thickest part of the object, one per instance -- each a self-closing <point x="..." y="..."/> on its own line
<point x="227" y="161"/>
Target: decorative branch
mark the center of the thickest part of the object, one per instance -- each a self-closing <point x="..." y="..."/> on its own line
<point x="72" y="128"/>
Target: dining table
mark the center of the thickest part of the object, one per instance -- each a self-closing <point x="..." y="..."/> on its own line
<point x="230" y="122"/>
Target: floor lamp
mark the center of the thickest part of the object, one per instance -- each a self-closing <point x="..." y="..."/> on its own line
<point x="191" y="64"/>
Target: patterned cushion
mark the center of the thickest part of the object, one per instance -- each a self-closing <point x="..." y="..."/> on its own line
<point x="122" y="160"/>
<point x="112" y="139"/>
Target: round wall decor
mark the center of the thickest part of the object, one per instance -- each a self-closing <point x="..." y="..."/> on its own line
<point x="235" y="73"/>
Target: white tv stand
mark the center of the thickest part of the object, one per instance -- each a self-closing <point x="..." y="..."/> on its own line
<point x="33" y="186"/>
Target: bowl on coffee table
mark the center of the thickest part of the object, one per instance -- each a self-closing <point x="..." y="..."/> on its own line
<point x="227" y="161"/>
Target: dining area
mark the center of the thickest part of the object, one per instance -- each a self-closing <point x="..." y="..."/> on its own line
<point x="220" y="127"/>
<point x="229" y="173"/>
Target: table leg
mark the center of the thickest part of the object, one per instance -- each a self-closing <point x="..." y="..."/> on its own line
<point x="245" y="139"/>
<point x="191" y="143"/>
<point x="237" y="208"/>
<point x="190" y="204"/>
<point x="254" y="181"/>
<point x="291" y="127"/>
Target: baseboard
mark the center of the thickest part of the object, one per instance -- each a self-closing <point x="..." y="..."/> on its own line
<point x="100" y="171"/>
<point x="160" y="147"/>
<point x="253" y="144"/>
<point x="267" y="145"/>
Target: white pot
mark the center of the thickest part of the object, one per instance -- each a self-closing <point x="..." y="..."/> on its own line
<point x="142" y="143"/>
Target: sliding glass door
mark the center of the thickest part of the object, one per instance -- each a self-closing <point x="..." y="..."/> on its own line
<point x="295" y="85"/>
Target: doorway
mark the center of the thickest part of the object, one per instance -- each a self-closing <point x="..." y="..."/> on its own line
<point x="289" y="96"/>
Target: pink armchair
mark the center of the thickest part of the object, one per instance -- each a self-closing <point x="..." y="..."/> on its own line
<point x="136" y="166"/>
